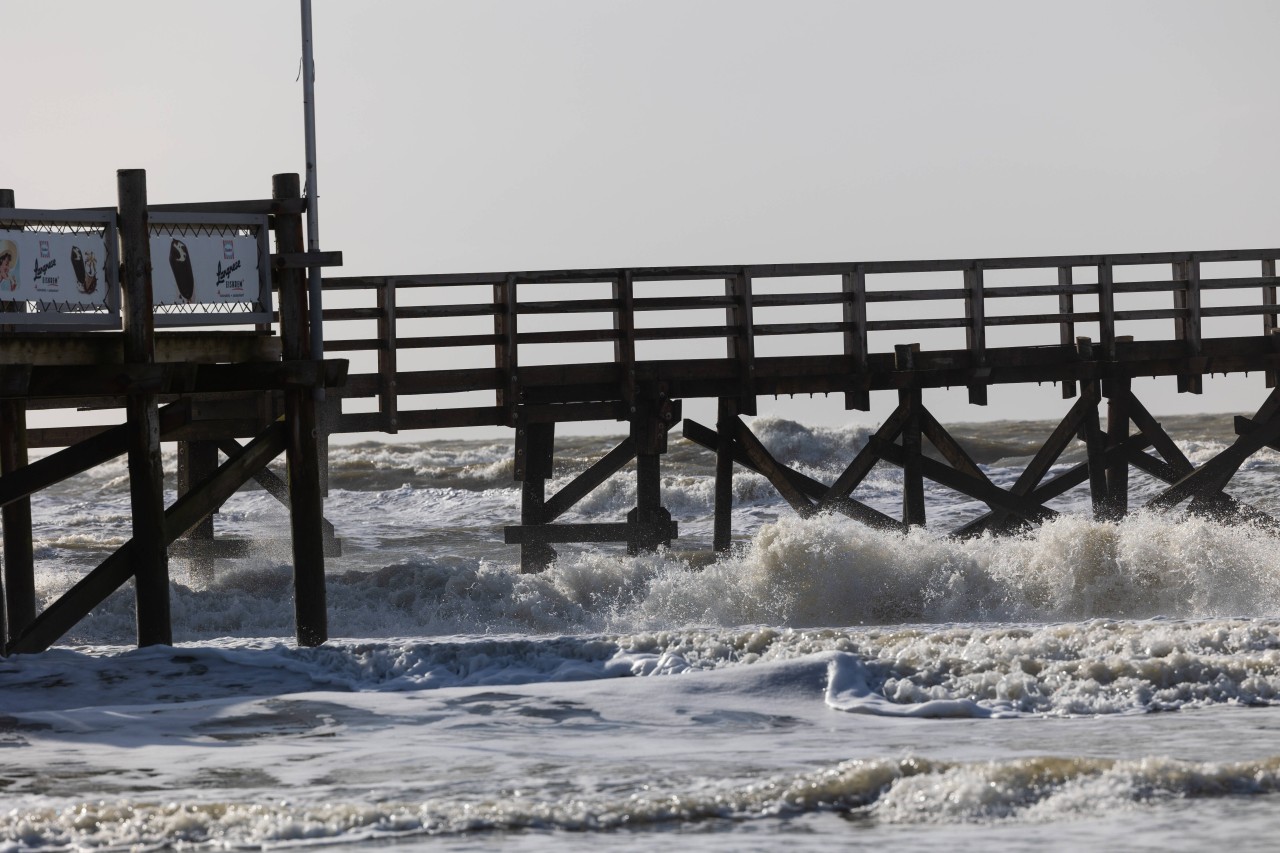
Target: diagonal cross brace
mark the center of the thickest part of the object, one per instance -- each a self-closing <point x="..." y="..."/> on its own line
<point x="186" y="512"/>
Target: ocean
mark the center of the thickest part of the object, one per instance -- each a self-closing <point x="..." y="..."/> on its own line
<point x="1083" y="684"/>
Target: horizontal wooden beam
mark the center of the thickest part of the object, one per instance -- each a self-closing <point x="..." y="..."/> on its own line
<point x="305" y="260"/>
<point x="101" y="348"/>
<point x="551" y="534"/>
<point x="62" y="615"/>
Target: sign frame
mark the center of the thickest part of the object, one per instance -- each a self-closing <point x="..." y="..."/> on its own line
<point x="33" y="315"/>
<point x="168" y="316"/>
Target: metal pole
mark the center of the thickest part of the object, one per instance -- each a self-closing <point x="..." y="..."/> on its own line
<point x="313" y="202"/>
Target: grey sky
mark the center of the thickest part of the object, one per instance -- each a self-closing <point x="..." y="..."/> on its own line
<point x="473" y="136"/>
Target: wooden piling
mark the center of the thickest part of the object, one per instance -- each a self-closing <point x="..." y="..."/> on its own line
<point x="911" y="401"/>
<point x="146" y="476"/>
<point x="722" y="530"/>
<point x="306" y="510"/>
<point x="649" y="523"/>
<point x="534" y="464"/>
<point x="18" y="606"/>
<point x="1117" y="392"/>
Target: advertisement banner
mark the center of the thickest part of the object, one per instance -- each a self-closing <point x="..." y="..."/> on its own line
<point x="37" y="266"/>
<point x="203" y="269"/>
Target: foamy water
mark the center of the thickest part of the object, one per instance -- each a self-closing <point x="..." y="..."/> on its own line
<point x="823" y="684"/>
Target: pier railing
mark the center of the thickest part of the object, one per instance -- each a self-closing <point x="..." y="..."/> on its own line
<point x="777" y="329"/>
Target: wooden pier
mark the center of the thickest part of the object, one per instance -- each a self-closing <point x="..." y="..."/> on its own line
<point x="833" y="328"/>
<point x="203" y="389"/>
<point x="530" y="350"/>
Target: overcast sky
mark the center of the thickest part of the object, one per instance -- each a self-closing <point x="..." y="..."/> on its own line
<point x="470" y="136"/>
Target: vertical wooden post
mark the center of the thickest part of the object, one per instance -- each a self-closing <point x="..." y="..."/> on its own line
<point x="975" y="311"/>
<point x="854" y="284"/>
<point x="1180" y="322"/>
<point x="742" y="343"/>
<point x="535" y="459"/>
<point x="506" y="352"/>
<point x="1067" y="328"/>
<point x="722" y="530"/>
<point x="19" y="584"/>
<point x="146" y="477"/>
<point x="1195" y="380"/>
<point x="1117" y="501"/>
<point x="648" y="525"/>
<point x="624" y="326"/>
<point x="910" y="400"/>
<point x="197" y="461"/>
<point x="306" y="501"/>
<point x="1107" y="310"/>
<point x="1269" y="320"/>
<point x="388" y="398"/>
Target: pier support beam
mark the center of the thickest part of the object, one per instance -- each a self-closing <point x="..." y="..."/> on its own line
<point x="302" y="448"/>
<point x="146" y="476"/>
<point x="535" y="459"/>
<point x="19" y="555"/>
<point x="722" y="529"/>
<point x="649" y="523"/>
<point x="910" y="401"/>
<point x="18" y="606"/>
<point x="1118" y="394"/>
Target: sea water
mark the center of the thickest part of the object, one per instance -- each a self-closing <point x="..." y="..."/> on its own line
<point x="1111" y="685"/>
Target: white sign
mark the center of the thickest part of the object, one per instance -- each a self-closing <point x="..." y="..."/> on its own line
<point x="37" y="266"/>
<point x="203" y="269"/>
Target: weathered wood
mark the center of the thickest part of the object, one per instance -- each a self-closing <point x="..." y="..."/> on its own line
<point x="94" y="348"/>
<point x="534" y="460"/>
<point x="87" y="593"/>
<point x="506" y="353"/>
<point x="909" y="400"/>
<point x="1067" y="327"/>
<point x="305" y="260"/>
<point x="1213" y="475"/>
<point x="1118" y="394"/>
<point x="1106" y="310"/>
<point x="981" y="489"/>
<point x="267" y="205"/>
<point x="589" y="480"/>
<point x="740" y="320"/>
<point x="1269" y="301"/>
<point x="809" y="487"/>
<point x="854" y="287"/>
<point x="762" y="460"/>
<point x="19" y="587"/>
<point x="864" y="460"/>
<point x="624" y="344"/>
<point x="306" y="496"/>
<point x="388" y="342"/>
<point x="550" y="534"/>
<point x="975" y="312"/>
<point x="279" y="489"/>
<point x="722" y="520"/>
<point x="1095" y="442"/>
<point x="146" y="477"/>
<point x="107" y="444"/>
<point x="1040" y="464"/>
<point x="948" y="446"/>
<point x="649" y="521"/>
<point x="1160" y="439"/>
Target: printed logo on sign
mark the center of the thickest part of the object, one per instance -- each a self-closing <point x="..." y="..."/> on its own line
<point x="44" y="248"/>
<point x="228" y="250"/>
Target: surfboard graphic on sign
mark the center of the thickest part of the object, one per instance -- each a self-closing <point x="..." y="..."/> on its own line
<point x="203" y="269"/>
<point x="180" y="263"/>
